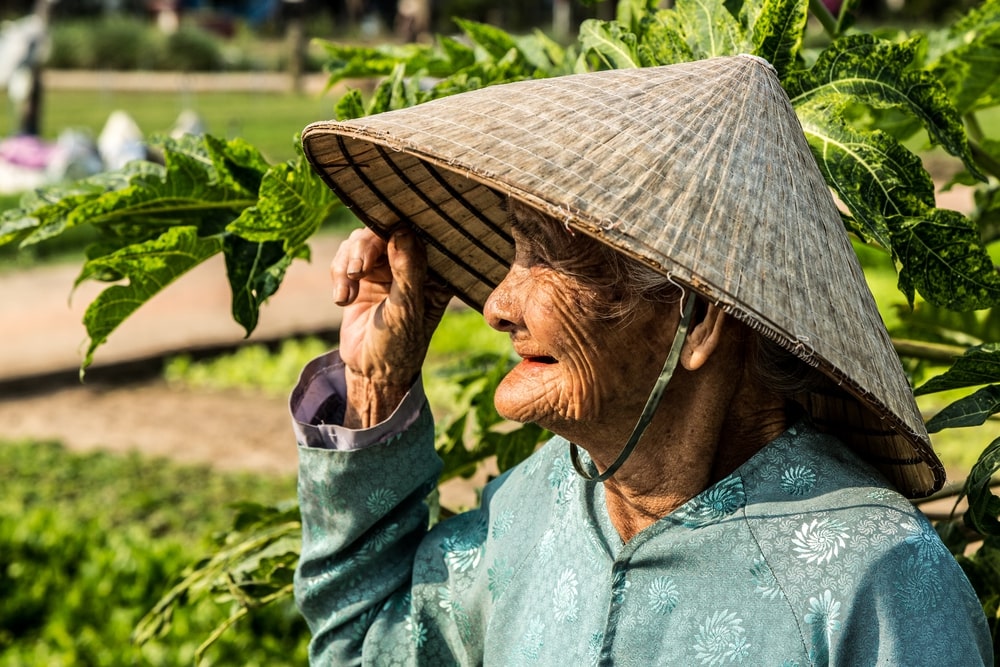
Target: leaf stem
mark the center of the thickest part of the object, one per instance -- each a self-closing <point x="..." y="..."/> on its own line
<point x="829" y="23"/>
<point x="984" y="160"/>
<point x="917" y="349"/>
<point x="972" y="126"/>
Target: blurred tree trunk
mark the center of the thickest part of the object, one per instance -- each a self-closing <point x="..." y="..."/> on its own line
<point x="295" y="36"/>
<point x="561" y="18"/>
<point x="29" y="120"/>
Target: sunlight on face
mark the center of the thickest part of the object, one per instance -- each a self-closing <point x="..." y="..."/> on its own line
<point x="580" y="368"/>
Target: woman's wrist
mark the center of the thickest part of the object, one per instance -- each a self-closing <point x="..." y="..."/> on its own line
<point x="371" y="400"/>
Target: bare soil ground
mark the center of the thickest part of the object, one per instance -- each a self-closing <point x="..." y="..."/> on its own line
<point x="229" y="430"/>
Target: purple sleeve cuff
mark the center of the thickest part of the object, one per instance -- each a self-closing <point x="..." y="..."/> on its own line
<point x="317" y="408"/>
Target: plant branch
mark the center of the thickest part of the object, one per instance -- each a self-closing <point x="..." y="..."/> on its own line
<point x="972" y="127"/>
<point x="829" y="23"/>
<point x="917" y="349"/>
<point x="984" y="160"/>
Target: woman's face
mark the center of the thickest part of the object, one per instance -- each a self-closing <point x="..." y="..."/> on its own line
<point x="584" y="367"/>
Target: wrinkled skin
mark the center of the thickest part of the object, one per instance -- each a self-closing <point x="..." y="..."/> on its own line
<point x="584" y="374"/>
<point x="390" y="313"/>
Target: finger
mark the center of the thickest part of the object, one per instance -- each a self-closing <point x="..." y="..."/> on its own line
<point x="345" y="290"/>
<point x="408" y="262"/>
<point x="360" y="254"/>
<point x="367" y="253"/>
<point x="437" y="296"/>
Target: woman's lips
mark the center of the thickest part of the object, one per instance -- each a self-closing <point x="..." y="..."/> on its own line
<point x="541" y="360"/>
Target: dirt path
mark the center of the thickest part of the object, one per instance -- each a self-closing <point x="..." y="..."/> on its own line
<point x="229" y="430"/>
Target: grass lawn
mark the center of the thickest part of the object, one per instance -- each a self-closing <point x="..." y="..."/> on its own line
<point x="269" y="121"/>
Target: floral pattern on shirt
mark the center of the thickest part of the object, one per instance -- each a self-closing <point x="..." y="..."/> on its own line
<point x="776" y="564"/>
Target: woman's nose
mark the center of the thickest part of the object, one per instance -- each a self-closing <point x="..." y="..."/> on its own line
<point x="502" y="309"/>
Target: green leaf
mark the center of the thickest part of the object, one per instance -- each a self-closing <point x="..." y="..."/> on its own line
<point x="710" y="29"/>
<point x="293" y="204"/>
<point x="943" y="258"/>
<point x="978" y="366"/>
<point x="255" y="272"/>
<point x="456" y="54"/>
<point x="350" y="106"/>
<point x="971" y="410"/>
<point x="45" y="213"/>
<point x="188" y="191"/>
<point x="492" y="40"/>
<point x="984" y="506"/>
<point x="880" y="73"/>
<point x="777" y="31"/>
<point x="237" y="163"/>
<point x="149" y="267"/>
<point x="348" y="61"/>
<point x="661" y="43"/>
<point x="631" y="14"/>
<point x="872" y="173"/>
<point x="610" y="42"/>
<point x="390" y="94"/>
<point x="970" y="68"/>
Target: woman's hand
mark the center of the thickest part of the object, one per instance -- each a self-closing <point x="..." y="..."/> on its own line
<point x="390" y="313"/>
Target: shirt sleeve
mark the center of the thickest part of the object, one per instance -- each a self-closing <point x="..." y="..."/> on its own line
<point x="362" y="498"/>
<point x="318" y="403"/>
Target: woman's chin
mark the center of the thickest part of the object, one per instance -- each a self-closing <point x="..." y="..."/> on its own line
<point x="513" y="401"/>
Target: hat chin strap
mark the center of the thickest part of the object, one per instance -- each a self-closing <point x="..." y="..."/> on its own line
<point x="669" y="366"/>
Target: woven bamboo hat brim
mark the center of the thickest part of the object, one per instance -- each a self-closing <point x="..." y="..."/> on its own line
<point x="699" y="170"/>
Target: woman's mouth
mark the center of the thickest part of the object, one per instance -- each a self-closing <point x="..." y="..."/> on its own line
<point x="541" y="359"/>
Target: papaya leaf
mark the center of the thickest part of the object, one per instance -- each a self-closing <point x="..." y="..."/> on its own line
<point x="710" y="29"/>
<point x="630" y="14"/>
<point x="881" y="74"/>
<point x="872" y="173"/>
<point x="971" y="410"/>
<point x="255" y="272"/>
<point x="613" y="45"/>
<point x="777" y="31"/>
<point x="456" y="54"/>
<point x="496" y="43"/>
<point x="149" y="267"/>
<point x="984" y="505"/>
<point x="44" y="213"/>
<point x="390" y="93"/>
<point x="943" y="258"/>
<point x="350" y="105"/>
<point x="346" y="61"/>
<point x="978" y="366"/>
<point x="538" y="51"/>
<point x="238" y="163"/>
<point x="293" y="204"/>
<point x="188" y="191"/>
<point x="660" y="43"/>
<point x="970" y="67"/>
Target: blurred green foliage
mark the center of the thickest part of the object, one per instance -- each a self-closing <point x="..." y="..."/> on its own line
<point x="89" y="543"/>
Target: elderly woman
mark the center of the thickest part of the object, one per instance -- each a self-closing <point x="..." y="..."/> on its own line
<point x="734" y="432"/>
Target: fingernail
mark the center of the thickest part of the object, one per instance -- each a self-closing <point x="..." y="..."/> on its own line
<point x="355" y="266"/>
<point x="403" y="238"/>
<point x="340" y="294"/>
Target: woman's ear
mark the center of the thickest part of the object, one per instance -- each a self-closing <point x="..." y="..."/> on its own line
<point x="703" y="338"/>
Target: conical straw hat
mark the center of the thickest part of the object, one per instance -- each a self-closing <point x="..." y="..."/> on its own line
<point x="700" y="170"/>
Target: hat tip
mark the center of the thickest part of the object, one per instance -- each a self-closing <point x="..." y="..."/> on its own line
<point x="758" y="59"/>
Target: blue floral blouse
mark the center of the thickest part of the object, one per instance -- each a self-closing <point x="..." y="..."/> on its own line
<point x="802" y="556"/>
